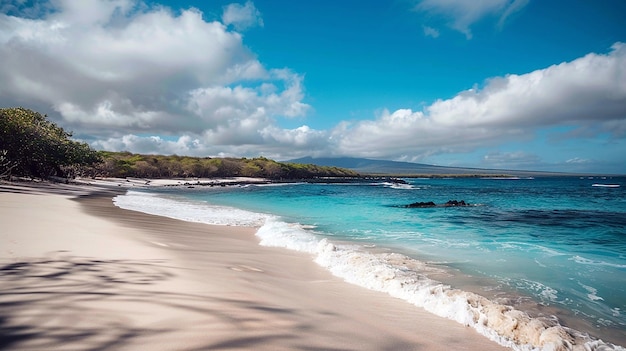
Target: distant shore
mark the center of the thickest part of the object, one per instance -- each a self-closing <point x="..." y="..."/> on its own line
<point x="79" y="273"/>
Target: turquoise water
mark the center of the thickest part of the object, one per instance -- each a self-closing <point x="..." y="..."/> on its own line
<point x="558" y="242"/>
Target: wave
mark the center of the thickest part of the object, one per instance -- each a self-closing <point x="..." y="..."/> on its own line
<point x="199" y="212"/>
<point x="406" y="278"/>
<point x="398" y="186"/>
<point x="398" y="275"/>
<point x="586" y="261"/>
<point x="545" y="293"/>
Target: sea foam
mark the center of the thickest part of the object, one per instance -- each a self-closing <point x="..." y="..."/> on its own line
<point x="200" y="212"/>
<point x="398" y="275"/>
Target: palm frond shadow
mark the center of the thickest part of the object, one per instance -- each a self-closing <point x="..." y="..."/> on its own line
<point x="54" y="302"/>
<point x="46" y="301"/>
<point x="68" y="302"/>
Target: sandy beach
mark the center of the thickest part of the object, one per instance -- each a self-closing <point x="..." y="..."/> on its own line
<point x="78" y="273"/>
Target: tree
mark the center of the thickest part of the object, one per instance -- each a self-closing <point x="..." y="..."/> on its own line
<point x="36" y="147"/>
<point x="6" y="165"/>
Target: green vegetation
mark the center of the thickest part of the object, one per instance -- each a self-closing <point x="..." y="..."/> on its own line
<point x="32" y="146"/>
<point x="125" y="164"/>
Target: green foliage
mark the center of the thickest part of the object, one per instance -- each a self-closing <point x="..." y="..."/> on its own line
<point x="124" y="164"/>
<point x="31" y="145"/>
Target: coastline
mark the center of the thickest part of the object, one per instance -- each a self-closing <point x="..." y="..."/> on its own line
<point x="497" y="319"/>
<point x="121" y="279"/>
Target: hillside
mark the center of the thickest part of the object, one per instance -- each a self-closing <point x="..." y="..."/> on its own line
<point x="382" y="167"/>
<point x="32" y="146"/>
<point x="126" y="164"/>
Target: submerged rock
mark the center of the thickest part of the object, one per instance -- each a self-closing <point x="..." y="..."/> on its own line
<point x="429" y="204"/>
<point x="421" y="204"/>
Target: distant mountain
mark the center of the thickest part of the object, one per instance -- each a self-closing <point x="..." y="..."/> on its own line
<point x="368" y="166"/>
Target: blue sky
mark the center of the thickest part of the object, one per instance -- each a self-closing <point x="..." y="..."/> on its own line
<point x="512" y="84"/>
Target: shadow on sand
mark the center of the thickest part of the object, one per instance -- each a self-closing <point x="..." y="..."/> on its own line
<point x="66" y="302"/>
<point x="51" y="302"/>
<point x="69" y="302"/>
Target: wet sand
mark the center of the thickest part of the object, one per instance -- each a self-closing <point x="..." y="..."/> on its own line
<point x="78" y="273"/>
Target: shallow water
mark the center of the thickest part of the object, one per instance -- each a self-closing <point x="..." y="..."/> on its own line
<point x="550" y="247"/>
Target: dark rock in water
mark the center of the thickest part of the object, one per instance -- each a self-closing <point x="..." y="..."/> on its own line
<point x="454" y="203"/>
<point x="429" y="204"/>
<point x="421" y="205"/>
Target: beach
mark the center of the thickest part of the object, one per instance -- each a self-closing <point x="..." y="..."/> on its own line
<point x="79" y="273"/>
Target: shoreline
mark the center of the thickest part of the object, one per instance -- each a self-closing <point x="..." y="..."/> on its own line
<point x="167" y="284"/>
<point x="457" y="280"/>
<point x="510" y="324"/>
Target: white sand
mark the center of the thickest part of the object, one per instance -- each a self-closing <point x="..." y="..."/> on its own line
<point x="88" y="275"/>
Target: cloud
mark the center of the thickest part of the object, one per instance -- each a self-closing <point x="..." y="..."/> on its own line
<point x="521" y="160"/>
<point x="430" y="32"/>
<point x="242" y="17"/>
<point x="586" y="91"/>
<point x="577" y="160"/>
<point x="185" y="145"/>
<point x="118" y="68"/>
<point x="126" y="76"/>
<point x="270" y="141"/>
<point x="460" y="15"/>
<point x="302" y="138"/>
<point x="511" y="160"/>
<point x="515" y="6"/>
<point x="587" y="94"/>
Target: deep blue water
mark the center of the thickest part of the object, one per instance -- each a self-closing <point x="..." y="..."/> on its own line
<point x="559" y="241"/>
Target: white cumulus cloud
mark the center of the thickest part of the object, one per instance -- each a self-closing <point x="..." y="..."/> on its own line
<point x="587" y="94"/>
<point x="113" y="69"/>
<point x="127" y="76"/>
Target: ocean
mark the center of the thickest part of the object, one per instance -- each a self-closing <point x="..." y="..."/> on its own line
<point x="537" y="263"/>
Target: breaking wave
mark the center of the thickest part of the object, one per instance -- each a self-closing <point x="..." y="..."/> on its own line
<point x="398" y="275"/>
